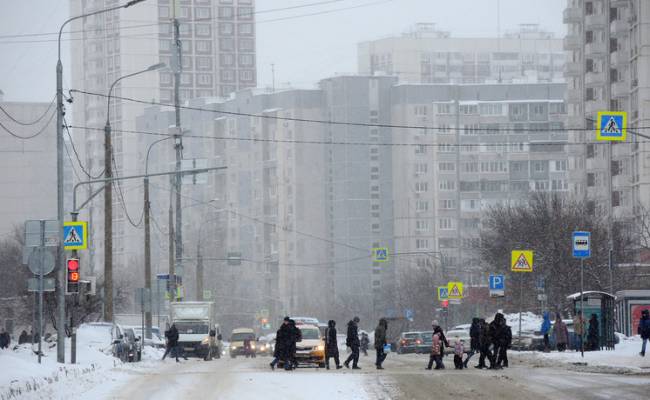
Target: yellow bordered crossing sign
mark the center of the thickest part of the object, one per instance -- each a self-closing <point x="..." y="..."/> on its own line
<point x="611" y="126"/>
<point x="380" y="254"/>
<point x="455" y="290"/>
<point x="75" y="235"/>
<point x="521" y="261"/>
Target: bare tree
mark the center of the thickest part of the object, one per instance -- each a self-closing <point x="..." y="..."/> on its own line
<point x="545" y="225"/>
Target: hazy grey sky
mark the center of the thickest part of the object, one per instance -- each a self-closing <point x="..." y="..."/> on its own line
<point x="304" y="49"/>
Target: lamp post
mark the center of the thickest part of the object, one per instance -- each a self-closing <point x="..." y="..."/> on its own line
<point x="147" y="237"/>
<point x="108" y="198"/>
<point x="60" y="333"/>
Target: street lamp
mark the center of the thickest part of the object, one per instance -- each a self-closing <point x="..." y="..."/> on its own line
<point x="108" y="198"/>
<point x="60" y="335"/>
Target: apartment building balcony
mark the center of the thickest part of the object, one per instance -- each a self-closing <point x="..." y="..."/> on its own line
<point x="619" y="28"/>
<point x="572" y="42"/>
<point x="619" y="57"/>
<point x="572" y="15"/>
<point x="573" y="96"/>
<point x="573" y="69"/>
<point x="594" y="78"/>
<point x="620" y="89"/>
<point x="595" y="20"/>
<point x="595" y="48"/>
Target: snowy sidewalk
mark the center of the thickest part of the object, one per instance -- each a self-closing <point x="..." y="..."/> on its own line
<point x="624" y="359"/>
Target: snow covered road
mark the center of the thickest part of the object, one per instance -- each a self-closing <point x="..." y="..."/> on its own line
<point x="404" y="378"/>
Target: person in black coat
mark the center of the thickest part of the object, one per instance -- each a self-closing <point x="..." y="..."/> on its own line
<point x="643" y="330"/>
<point x="281" y="341"/>
<point x="352" y="341"/>
<point x="295" y="336"/>
<point x="23" y="338"/>
<point x="5" y="339"/>
<point x="498" y="332"/>
<point x="475" y="340"/>
<point x="331" y="346"/>
<point x="593" y="335"/>
<point x="484" y="344"/>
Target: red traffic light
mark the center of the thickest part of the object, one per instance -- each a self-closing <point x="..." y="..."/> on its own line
<point x="445" y="303"/>
<point x="73" y="270"/>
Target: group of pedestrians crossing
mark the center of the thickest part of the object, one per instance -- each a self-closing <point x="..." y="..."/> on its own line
<point x="285" y="345"/>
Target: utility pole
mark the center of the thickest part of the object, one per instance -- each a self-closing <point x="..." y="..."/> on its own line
<point x="178" y="145"/>
<point x="147" y="256"/>
<point x="108" y="220"/>
<point x="199" y="272"/>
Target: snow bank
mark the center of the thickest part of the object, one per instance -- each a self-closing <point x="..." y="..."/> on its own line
<point x="24" y="378"/>
<point x="624" y="359"/>
<point x="529" y="322"/>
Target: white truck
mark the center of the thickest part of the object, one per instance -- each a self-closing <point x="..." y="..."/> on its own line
<point x="194" y="320"/>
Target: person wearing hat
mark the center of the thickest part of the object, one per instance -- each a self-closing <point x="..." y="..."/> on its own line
<point x="443" y="338"/>
<point x="281" y="339"/>
<point x="352" y="341"/>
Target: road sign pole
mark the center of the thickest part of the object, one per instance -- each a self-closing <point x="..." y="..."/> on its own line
<point x="521" y="302"/>
<point x="40" y="290"/>
<point x="582" y="303"/>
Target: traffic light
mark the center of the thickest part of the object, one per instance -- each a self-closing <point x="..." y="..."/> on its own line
<point x="73" y="275"/>
<point x="445" y="303"/>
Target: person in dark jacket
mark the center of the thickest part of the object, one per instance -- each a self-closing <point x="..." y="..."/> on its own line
<point x="644" y="329"/>
<point x="380" y="342"/>
<point x="331" y="346"/>
<point x="352" y="341"/>
<point x="484" y="343"/>
<point x="561" y="333"/>
<point x="437" y="349"/>
<point x="506" y="343"/>
<point x="281" y="340"/>
<point x="172" y="342"/>
<point x="5" y="339"/>
<point x="443" y="338"/>
<point x="593" y="334"/>
<point x="23" y="337"/>
<point x="498" y="337"/>
<point x="365" y="342"/>
<point x="295" y="336"/>
<point x="474" y="334"/>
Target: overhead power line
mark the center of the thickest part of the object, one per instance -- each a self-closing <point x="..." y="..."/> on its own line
<point x="34" y="122"/>
<point x="341" y="123"/>
<point x="40" y="131"/>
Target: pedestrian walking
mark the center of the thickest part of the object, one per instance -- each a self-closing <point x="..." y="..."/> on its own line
<point x="331" y="346"/>
<point x="475" y="337"/>
<point x="484" y="342"/>
<point x="507" y="344"/>
<point x="437" y="349"/>
<point x="172" y="342"/>
<point x="352" y="341"/>
<point x="498" y="332"/>
<point x="281" y="340"/>
<point x="593" y="336"/>
<point x="580" y="329"/>
<point x="546" y="331"/>
<point x="365" y="342"/>
<point x="5" y="339"/>
<point x="561" y="333"/>
<point x="459" y="350"/>
<point x="644" y="330"/>
<point x="295" y="336"/>
<point x="380" y="342"/>
<point x="445" y="343"/>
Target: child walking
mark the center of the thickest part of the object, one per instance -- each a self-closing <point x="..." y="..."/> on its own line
<point x="459" y="349"/>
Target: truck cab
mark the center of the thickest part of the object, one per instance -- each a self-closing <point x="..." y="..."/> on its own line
<point x="193" y="320"/>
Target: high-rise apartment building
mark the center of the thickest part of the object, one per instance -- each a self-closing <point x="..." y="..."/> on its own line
<point x="478" y="146"/>
<point x="218" y="57"/>
<point x="427" y="55"/>
<point x="607" y="68"/>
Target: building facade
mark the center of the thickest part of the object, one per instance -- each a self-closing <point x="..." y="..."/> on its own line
<point x="470" y="147"/>
<point x="217" y="38"/>
<point x="427" y="55"/>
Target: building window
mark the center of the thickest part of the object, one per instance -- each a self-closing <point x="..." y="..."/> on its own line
<point x="447" y="185"/>
<point x="204" y="80"/>
<point x="202" y="13"/>
<point x="227" y="75"/>
<point x="445" y="224"/>
<point x="420" y="149"/>
<point x="225" y="12"/>
<point x="246" y="60"/>
<point x="246" y="44"/>
<point x="204" y="63"/>
<point x="421" y="244"/>
<point x="227" y="60"/>
<point x="448" y="204"/>
<point x="591" y="179"/>
<point x="245" y="13"/>
<point x="421" y="187"/>
<point x="422" y="225"/>
<point x="245" y="29"/>
<point x="204" y="46"/>
<point x="203" y="30"/>
<point x="226" y="28"/>
<point x="447" y="166"/>
<point x="246" y="75"/>
<point x="421" y="206"/>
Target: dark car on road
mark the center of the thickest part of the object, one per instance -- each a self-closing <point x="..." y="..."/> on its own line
<point x="409" y="342"/>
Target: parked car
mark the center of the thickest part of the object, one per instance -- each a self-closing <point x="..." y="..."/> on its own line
<point x="126" y="346"/>
<point x="155" y="341"/>
<point x="409" y="342"/>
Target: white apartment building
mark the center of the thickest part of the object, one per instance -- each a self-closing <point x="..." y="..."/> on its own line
<point x="427" y="55"/>
<point x="483" y="145"/>
<point x="218" y="57"/>
<point x="608" y="62"/>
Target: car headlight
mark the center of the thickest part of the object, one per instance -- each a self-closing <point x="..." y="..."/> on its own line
<point x="233" y="347"/>
<point x="205" y="341"/>
<point x="252" y="346"/>
<point x="320" y="347"/>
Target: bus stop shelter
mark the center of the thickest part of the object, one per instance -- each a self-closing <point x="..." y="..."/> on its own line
<point x="629" y="305"/>
<point x="602" y="305"/>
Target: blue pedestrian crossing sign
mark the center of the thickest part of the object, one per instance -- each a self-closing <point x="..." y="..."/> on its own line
<point x="443" y="293"/>
<point x="611" y="126"/>
<point x="75" y="235"/>
<point x="581" y="244"/>
<point x="380" y="254"/>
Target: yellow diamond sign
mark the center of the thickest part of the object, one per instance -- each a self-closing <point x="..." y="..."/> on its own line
<point x="522" y="261"/>
<point x="455" y="290"/>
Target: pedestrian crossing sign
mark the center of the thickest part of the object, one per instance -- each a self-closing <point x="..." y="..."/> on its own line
<point x="443" y="293"/>
<point x="455" y="290"/>
<point x="75" y="235"/>
<point x="611" y="126"/>
<point x="522" y="261"/>
<point x="380" y="254"/>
